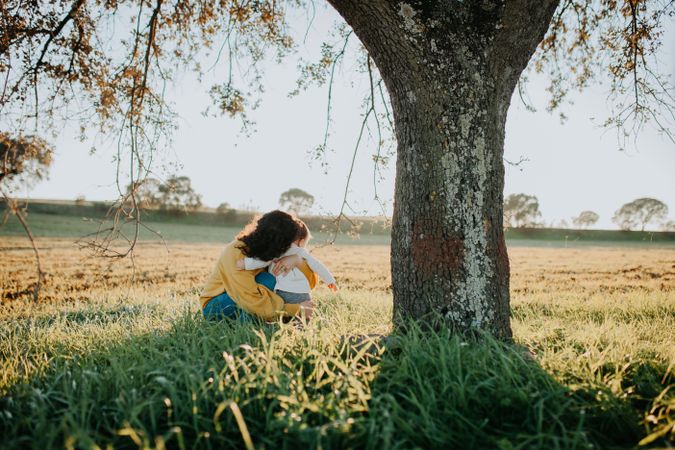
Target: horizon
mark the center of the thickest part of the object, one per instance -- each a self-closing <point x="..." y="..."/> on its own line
<point x="312" y="215"/>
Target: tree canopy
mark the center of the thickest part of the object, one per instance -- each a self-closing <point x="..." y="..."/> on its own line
<point x="23" y="160"/>
<point x="105" y="64"/>
<point x="297" y="201"/>
<point x="640" y="213"/>
<point x="175" y="194"/>
<point x="147" y="192"/>
<point x="586" y="219"/>
<point x="521" y="210"/>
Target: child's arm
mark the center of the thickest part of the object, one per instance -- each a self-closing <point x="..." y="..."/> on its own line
<point x="321" y="270"/>
<point x="252" y="263"/>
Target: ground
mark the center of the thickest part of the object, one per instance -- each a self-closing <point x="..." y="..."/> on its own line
<point x="118" y="355"/>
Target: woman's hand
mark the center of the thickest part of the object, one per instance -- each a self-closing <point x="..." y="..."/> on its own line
<point x="307" y="309"/>
<point x="286" y="264"/>
<point x="240" y="264"/>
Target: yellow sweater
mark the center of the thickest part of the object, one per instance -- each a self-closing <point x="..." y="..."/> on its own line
<point x="242" y="288"/>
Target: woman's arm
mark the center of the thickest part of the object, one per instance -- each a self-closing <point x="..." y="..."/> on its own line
<point x="284" y="265"/>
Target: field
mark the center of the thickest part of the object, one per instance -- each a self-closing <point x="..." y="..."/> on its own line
<point x="118" y="356"/>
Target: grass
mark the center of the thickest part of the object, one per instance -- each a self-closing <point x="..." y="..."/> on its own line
<point x="105" y="362"/>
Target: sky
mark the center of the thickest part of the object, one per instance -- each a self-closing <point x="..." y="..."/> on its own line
<point x="570" y="167"/>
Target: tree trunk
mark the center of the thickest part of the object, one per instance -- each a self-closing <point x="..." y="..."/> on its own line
<point x="450" y="68"/>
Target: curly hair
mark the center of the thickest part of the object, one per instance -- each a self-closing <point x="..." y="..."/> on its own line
<point x="269" y="236"/>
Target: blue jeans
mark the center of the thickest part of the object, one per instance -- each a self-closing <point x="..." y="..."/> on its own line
<point x="222" y="306"/>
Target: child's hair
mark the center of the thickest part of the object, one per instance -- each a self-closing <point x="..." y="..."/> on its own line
<point x="303" y="231"/>
<point x="269" y="236"/>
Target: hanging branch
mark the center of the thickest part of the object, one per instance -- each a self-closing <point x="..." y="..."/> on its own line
<point x="73" y="52"/>
<point x="13" y="206"/>
<point x="377" y="158"/>
<point x="588" y="40"/>
<point x="337" y="222"/>
<point x="321" y="73"/>
<point x="23" y="160"/>
<point x="127" y="209"/>
<point x="329" y="104"/>
<point x="34" y="69"/>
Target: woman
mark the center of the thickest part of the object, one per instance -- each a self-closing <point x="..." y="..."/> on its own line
<point x="245" y="294"/>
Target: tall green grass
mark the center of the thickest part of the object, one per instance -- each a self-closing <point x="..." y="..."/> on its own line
<point x="150" y="373"/>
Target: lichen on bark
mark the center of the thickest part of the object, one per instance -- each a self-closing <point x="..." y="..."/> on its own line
<point x="450" y="88"/>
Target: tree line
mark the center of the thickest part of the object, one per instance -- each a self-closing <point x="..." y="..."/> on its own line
<point x="522" y="211"/>
<point x="176" y="194"/>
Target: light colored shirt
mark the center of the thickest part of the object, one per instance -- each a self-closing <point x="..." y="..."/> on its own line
<point x="294" y="281"/>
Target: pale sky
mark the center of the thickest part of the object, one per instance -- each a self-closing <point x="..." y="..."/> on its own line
<point x="571" y="167"/>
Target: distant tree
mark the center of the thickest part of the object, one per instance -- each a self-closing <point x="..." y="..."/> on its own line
<point x="147" y="193"/>
<point x="639" y="213"/>
<point x="521" y="210"/>
<point x="585" y="219"/>
<point x="223" y="208"/>
<point x="226" y="213"/>
<point x="177" y="194"/>
<point x="23" y="160"/>
<point x="80" y="200"/>
<point x="668" y="225"/>
<point x="296" y="201"/>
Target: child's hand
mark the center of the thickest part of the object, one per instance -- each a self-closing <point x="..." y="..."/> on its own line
<point x="240" y="264"/>
<point x="333" y="287"/>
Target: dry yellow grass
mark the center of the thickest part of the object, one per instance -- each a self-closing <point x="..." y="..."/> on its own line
<point x="575" y="289"/>
<point x="72" y="275"/>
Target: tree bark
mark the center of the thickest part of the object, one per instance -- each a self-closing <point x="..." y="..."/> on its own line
<point x="450" y="68"/>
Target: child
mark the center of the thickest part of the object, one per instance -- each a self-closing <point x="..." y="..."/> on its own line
<point x="293" y="286"/>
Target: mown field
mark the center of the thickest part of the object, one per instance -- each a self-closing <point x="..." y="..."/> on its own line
<point x="118" y="356"/>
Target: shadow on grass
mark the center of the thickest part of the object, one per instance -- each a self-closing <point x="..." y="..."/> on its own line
<point x="445" y="392"/>
<point x="226" y="385"/>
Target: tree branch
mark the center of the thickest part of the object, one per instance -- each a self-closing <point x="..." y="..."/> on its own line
<point x="14" y="208"/>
